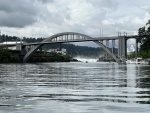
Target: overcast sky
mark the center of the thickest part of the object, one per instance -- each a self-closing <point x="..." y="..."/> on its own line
<point x="43" y="18"/>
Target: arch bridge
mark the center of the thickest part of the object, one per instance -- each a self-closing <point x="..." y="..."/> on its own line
<point x="27" y="49"/>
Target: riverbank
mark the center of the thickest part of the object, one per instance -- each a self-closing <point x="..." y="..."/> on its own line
<point x="11" y="56"/>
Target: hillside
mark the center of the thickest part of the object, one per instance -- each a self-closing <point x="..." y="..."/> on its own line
<point x="75" y="50"/>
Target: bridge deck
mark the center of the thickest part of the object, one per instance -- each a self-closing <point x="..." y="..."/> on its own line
<point x="81" y="40"/>
<point x="71" y="40"/>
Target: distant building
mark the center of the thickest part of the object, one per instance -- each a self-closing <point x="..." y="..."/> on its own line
<point x="131" y="49"/>
<point x="62" y="51"/>
<point x="15" y="45"/>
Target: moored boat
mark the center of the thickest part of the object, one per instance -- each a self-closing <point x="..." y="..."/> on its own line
<point x="138" y="60"/>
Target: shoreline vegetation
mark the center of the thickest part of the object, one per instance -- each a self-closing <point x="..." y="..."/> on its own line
<point x="9" y="56"/>
<point x="6" y="56"/>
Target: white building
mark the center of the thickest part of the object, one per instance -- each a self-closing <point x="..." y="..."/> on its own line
<point x="14" y="45"/>
<point x="62" y="51"/>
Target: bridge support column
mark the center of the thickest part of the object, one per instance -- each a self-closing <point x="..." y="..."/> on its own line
<point x="122" y="48"/>
<point x="125" y="48"/>
<point x="113" y="45"/>
<point x="23" y="52"/>
<point x="107" y="44"/>
<point x="119" y="47"/>
<point x="18" y="46"/>
<point x="136" y="47"/>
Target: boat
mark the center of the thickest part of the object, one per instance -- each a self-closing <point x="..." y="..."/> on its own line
<point x="138" y="60"/>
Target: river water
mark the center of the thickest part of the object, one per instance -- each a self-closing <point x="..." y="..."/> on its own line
<point x="74" y="88"/>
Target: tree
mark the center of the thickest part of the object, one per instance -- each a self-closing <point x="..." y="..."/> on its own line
<point x="144" y="37"/>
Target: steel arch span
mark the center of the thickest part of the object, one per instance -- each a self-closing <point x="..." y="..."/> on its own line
<point x="65" y="37"/>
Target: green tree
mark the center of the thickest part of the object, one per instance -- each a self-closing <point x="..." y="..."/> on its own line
<point x="144" y="37"/>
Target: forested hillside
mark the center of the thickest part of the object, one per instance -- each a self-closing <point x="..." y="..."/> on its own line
<point x="75" y="50"/>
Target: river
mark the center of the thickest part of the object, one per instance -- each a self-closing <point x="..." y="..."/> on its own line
<point x="74" y="88"/>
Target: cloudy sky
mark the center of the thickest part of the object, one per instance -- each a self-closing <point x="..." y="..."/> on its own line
<point x="43" y="18"/>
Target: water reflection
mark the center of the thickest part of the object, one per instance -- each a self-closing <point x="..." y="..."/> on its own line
<point x="82" y="87"/>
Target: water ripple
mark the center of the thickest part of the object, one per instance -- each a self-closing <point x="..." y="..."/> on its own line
<point x="35" y="87"/>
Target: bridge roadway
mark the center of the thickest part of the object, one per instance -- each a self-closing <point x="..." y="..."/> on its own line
<point x="81" y="40"/>
<point x="74" y="40"/>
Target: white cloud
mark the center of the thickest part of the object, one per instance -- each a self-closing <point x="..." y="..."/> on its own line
<point x="20" y="13"/>
<point x="47" y="17"/>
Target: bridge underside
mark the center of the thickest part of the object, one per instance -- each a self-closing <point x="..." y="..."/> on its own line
<point x="28" y="50"/>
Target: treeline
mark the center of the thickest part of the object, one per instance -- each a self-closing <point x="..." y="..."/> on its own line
<point x="9" y="56"/>
<point x="4" y="38"/>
